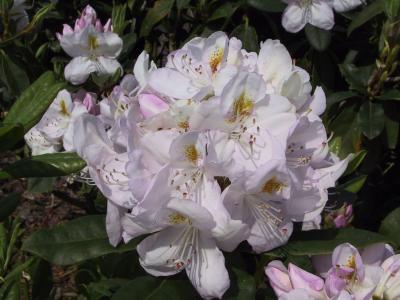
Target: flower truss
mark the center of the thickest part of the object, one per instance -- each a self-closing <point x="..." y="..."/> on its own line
<point x="217" y="147"/>
<point x="346" y="274"/>
<point x="318" y="13"/>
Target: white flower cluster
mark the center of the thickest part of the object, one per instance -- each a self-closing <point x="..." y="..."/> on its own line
<point x="217" y="147"/>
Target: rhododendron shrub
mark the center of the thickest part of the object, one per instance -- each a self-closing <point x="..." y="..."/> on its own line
<point x="215" y="164"/>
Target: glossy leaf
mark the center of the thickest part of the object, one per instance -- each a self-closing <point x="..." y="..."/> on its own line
<point x="316" y="242"/>
<point x="225" y="11"/>
<point x="318" y="38"/>
<point x="371" y="119"/>
<point x="152" y="288"/>
<point x="155" y="14"/>
<point x="34" y="101"/>
<point x="390" y="226"/>
<point x="12" y="75"/>
<point x="392" y="132"/>
<point x="46" y="165"/>
<point x="74" y="241"/>
<point x="390" y="95"/>
<point x="248" y="35"/>
<point x="355" y="162"/>
<point x="354" y="185"/>
<point x="357" y="77"/>
<point x="10" y="134"/>
<point x="375" y="8"/>
<point x="8" y="204"/>
<point x="339" y="97"/>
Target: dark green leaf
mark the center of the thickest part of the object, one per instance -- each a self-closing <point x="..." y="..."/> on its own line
<point x="318" y="38"/>
<point x="390" y="95"/>
<point x="105" y="288"/>
<point x="371" y="119"/>
<point x="42" y="279"/>
<point x="346" y="128"/>
<point x="316" y="242"/>
<point x="129" y="41"/>
<point x="339" y="97"/>
<point x="243" y="285"/>
<point x="353" y="185"/>
<point x="392" y="132"/>
<point x="267" y="5"/>
<point x="74" y="241"/>
<point x="8" y="204"/>
<point x="375" y="8"/>
<point x="41" y="184"/>
<point x="355" y="162"/>
<point x="34" y="101"/>
<point x="155" y="14"/>
<point x="225" y="11"/>
<point x="180" y="4"/>
<point x="46" y="165"/>
<point x="248" y="35"/>
<point x="390" y="226"/>
<point x="118" y="18"/>
<point x="151" y="288"/>
<point x="12" y="75"/>
<point x="357" y="77"/>
<point x="10" y="134"/>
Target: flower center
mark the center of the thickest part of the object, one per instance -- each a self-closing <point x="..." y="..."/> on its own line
<point x="191" y="153"/>
<point x="305" y="3"/>
<point x="273" y="186"/>
<point x="177" y="218"/>
<point x="93" y="43"/>
<point x="216" y="59"/>
<point x="63" y="107"/>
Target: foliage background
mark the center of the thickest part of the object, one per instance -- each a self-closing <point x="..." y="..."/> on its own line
<point x="356" y="64"/>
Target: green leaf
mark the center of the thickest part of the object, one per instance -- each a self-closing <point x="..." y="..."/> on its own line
<point x="375" y="8"/>
<point x="371" y="119"/>
<point x="243" y="285"/>
<point x="346" y="128"/>
<point x="42" y="278"/>
<point x="317" y="242"/>
<point x="155" y="14"/>
<point x="392" y="8"/>
<point x="12" y="75"/>
<point x="390" y="226"/>
<point x="225" y="11"/>
<point x="74" y="241"/>
<point x="355" y="162"/>
<point x="118" y="18"/>
<point x="392" y="132"/>
<point x="354" y="185"/>
<point x="339" y="97"/>
<point x="180" y="4"/>
<point x="10" y="134"/>
<point x="318" y="38"/>
<point x="41" y="184"/>
<point x="129" y="40"/>
<point x="104" y="288"/>
<point x="34" y="101"/>
<point x="8" y="204"/>
<point x="357" y="77"/>
<point x="390" y="95"/>
<point x="248" y="35"/>
<point x="267" y="5"/>
<point x="151" y="288"/>
<point x="46" y="165"/>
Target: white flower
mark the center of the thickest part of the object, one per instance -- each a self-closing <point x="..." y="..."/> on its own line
<point x="94" y="48"/>
<point x="298" y="13"/>
<point x="318" y="13"/>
